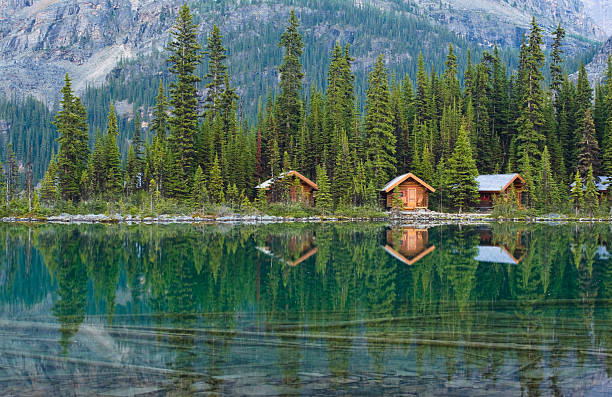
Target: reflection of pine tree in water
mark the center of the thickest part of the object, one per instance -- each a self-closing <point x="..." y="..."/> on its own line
<point x="460" y="269"/>
<point x="380" y="299"/>
<point x="72" y="283"/>
<point x="104" y="256"/>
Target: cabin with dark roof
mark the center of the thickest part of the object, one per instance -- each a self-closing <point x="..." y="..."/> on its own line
<point x="491" y="186"/>
<point x="602" y="183"/>
<point x="413" y="191"/>
<point x="275" y="190"/>
<point x="408" y="244"/>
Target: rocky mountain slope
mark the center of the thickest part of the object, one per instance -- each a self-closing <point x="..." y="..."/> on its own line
<point x="596" y="69"/>
<point x="41" y="40"/>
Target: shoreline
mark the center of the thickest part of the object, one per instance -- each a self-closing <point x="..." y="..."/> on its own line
<point x="404" y="219"/>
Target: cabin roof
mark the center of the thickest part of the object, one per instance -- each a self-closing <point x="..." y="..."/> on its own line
<point x="494" y="254"/>
<point x="409" y="261"/>
<point x="496" y="182"/>
<point x="602" y="183"/>
<point x="267" y="184"/>
<point x="397" y="180"/>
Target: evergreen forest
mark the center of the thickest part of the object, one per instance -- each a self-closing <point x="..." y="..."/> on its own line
<point x="201" y="152"/>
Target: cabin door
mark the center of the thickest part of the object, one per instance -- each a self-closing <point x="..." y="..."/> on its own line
<point x="411" y="199"/>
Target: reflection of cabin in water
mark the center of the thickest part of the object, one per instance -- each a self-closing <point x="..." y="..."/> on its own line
<point x="413" y="191"/>
<point x="510" y="251"/>
<point x="290" y="250"/>
<point x="274" y="188"/>
<point x="408" y="244"/>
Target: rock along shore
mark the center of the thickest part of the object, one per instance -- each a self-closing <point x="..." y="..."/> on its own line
<point x="416" y="218"/>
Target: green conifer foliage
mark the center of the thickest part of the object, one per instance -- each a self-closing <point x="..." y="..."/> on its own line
<point x="215" y="183"/>
<point x="71" y="126"/>
<point x="199" y="192"/>
<point x="606" y="153"/>
<point x="323" y="197"/>
<point x="577" y="192"/>
<point x="556" y="65"/>
<point x="588" y="149"/>
<point x="184" y="57"/>
<point x="378" y="124"/>
<point x="531" y="117"/>
<point x="291" y="75"/>
<point x="159" y="123"/>
<point x="591" y="196"/>
<point x="112" y="160"/>
<point x="49" y="192"/>
<point x="12" y="174"/>
<point x="217" y="72"/>
<point x="462" y="174"/>
<point x="261" y="201"/>
<point x="343" y="175"/>
<point x="546" y="182"/>
<point x="397" y="203"/>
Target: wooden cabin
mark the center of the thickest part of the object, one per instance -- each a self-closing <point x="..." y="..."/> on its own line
<point x="602" y="183"/>
<point x="413" y="191"/>
<point x="275" y="190"/>
<point x="408" y="244"/>
<point x="491" y="186"/>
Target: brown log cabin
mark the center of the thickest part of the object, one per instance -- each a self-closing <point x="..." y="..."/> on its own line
<point x="412" y="189"/>
<point x="491" y="186"/>
<point x="305" y="194"/>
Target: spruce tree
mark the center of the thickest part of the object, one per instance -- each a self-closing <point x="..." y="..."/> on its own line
<point x="12" y="174"/>
<point x="215" y="183"/>
<point x="378" y="128"/>
<point x="112" y="161"/>
<point x="49" y="193"/>
<point x="546" y="182"/>
<point x="184" y="58"/>
<point x="71" y="124"/>
<point x="452" y="90"/>
<point x="323" y="198"/>
<point x="588" y="149"/>
<point x="217" y="71"/>
<point x="606" y="152"/>
<point x="261" y="201"/>
<point x="291" y="75"/>
<point x="159" y="123"/>
<point x="577" y="193"/>
<point x="462" y="173"/>
<point x="556" y="64"/>
<point x="139" y="162"/>
<point x="591" y="196"/>
<point x="343" y="174"/>
<point x="531" y="117"/>
<point x="422" y="87"/>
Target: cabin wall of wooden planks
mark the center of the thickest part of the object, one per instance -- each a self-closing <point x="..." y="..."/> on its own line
<point x="414" y="195"/>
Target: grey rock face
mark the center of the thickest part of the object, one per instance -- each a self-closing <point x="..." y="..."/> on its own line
<point x="596" y="69"/>
<point x="41" y="40"/>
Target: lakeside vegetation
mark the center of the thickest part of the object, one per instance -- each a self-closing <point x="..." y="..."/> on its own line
<point x="205" y="158"/>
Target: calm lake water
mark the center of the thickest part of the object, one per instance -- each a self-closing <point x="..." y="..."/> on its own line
<point x="344" y="309"/>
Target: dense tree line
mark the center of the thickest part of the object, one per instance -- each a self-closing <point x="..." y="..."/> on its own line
<point x="498" y="122"/>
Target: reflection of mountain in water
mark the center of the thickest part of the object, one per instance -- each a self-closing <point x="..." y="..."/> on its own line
<point x="408" y="244"/>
